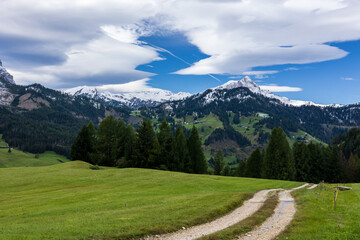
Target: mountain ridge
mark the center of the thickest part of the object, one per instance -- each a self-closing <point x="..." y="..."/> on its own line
<point x="155" y="96"/>
<point x="135" y="99"/>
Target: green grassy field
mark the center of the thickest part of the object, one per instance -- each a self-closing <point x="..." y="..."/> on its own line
<point x="208" y="125"/>
<point x="71" y="201"/>
<point x="20" y="159"/>
<point x="316" y="218"/>
<point x="2" y="143"/>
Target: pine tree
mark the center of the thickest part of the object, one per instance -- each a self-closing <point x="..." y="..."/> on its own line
<point x="197" y="159"/>
<point x="278" y="162"/>
<point x="219" y="163"/>
<point x="129" y="142"/>
<point x="343" y="166"/>
<point x="144" y="144"/>
<point x="120" y="139"/>
<point x="302" y="161"/>
<point x="82" y="146"/>
<point x="166" y="139"/>
<point x="240" y="170"/>
<point x="227" y="171"/>
<point x="180" y="151"/>
<point x="254" y="164"/>
<point x="352" y="170"/>
<point x="107" y="137"/>
<point x="155" y="156"/>
<point x="316" y="163"/>
<point x="331" y="166"/>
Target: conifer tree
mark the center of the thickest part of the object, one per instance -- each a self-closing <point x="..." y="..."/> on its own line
<point x="120" y="139"/>
<point x="166" y="138"/>
<point x="351" y="170"/>
<point x="316" y="163"/>
<point x="333" y="167"/>
<point x="107" y="136"/>
<point x="82" y="146"/>
<point x="254" y="164"/>
<point x="240" y="170"/>
<point x="219" y="163"/>
<point x="278" y="162"/>
<point x="129" y="145"/>
<point x="155" y="156"/>
<point x="226" y="170"/>
<point x="197" y="159"/>
<point x="144" y="144"/>
<point x="180" y="151"/>
<point x="302" y="161"/>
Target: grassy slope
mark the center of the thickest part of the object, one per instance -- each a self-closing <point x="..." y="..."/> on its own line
<point x="211" y="122"/>
<point x="316" y="218"/>
<point x="20" y="159"/>
<point x="70" y="201"/>
<point x="2" y="143"/>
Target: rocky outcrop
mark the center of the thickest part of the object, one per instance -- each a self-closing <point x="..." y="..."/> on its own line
<point x="30" y="103"/>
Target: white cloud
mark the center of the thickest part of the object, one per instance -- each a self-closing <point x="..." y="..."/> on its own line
<point x="135" y="86"/>
<point x="237" y="35"/>
<point x="347" y="78"/>
<point x="275" y="33"/>
<point x="291" y="69"/>
<point x="26" y="78"/>
<point x="275" y="88"/>
<point x="260" y="72"/>
<point x="94" y="39"/>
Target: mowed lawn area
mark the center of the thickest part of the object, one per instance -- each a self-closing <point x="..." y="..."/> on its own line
<point x="71" y="201"/>
<point x="317" y="219"/>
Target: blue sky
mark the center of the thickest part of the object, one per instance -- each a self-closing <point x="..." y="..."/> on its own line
<point x="333" y="81"/>
<point x="304" y="50"/>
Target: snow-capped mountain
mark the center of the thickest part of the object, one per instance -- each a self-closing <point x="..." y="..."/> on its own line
<point x="156" y="96"/>
<point x="5" y="76"/>
<point x="253" y="87"/>
<point x="6" y="97"/>
<point x="151" y="97"/>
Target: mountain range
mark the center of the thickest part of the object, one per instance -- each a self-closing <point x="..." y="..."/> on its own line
<point x="133" y="100"/>
<point x="236" y="116"/>
<point x="155" y="96"/>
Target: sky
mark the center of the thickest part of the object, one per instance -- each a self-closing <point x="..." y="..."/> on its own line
<point x="302" y="49"/>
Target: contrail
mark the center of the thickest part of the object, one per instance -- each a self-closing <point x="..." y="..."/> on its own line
<point x="179" y="58"/>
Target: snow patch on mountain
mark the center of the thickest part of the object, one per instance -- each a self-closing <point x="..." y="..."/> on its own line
<point x="151" y="97"/>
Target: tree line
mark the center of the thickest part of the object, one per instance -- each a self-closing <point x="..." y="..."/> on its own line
<point x="116" y="144"/>
<point x="304" y="162"/>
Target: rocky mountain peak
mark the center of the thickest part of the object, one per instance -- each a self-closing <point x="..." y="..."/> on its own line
<point x="4" y="75"/>
<point x="244" y="82"/>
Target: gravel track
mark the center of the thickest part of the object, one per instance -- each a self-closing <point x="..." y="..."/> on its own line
<point x="246" y="210"/>
<point x="313" y="186"/>
<point x="274" y="225"/>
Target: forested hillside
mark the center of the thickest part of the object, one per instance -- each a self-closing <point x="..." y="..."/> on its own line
<point x="39" y="119"/>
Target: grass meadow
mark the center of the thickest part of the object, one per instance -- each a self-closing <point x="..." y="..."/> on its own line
<point x="317" y="219"/>
<point x="71" y="201"/>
